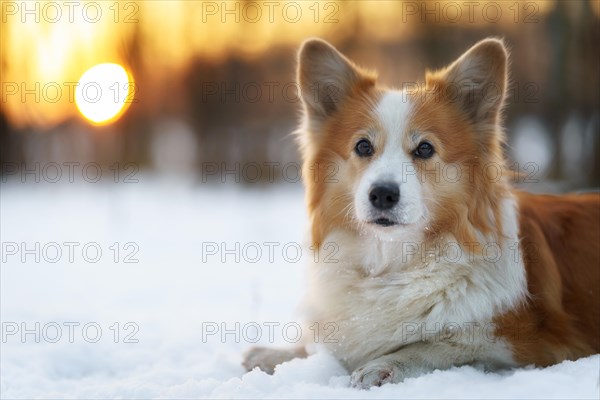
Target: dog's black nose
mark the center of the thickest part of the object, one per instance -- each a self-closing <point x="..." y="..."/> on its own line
<point x="384" y="195"/>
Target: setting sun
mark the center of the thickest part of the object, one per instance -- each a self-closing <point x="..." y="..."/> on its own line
<point x="103" y="93"/>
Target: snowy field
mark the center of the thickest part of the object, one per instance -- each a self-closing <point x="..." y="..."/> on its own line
<point x="121" y="291"/>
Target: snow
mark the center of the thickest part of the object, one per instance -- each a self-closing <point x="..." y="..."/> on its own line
<point x="173" y="297"/>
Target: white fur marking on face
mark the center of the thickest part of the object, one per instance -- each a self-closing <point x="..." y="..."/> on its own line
<point x="392" y="164"/>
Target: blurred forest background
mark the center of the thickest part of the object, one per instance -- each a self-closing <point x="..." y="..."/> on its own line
<point x="215" y="80"/>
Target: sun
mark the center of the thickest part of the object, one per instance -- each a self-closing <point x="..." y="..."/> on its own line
<point x="104" y="92"/>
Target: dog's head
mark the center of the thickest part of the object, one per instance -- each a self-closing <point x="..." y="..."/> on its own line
<point x="398" y="162"/>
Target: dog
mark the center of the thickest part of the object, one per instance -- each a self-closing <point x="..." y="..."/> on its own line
<point x="439" y="262"/>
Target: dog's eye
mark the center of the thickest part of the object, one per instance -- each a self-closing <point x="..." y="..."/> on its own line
<point x="424" y="150"/>
<point x="364" y="148"/>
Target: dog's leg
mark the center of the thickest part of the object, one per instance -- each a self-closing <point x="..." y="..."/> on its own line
<point x="410" y="361"/>
<point x="266" y="358"/>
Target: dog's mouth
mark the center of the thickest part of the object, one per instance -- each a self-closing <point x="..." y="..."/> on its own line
<point x="382" y="221"/>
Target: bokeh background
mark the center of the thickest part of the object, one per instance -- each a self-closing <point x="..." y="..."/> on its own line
<point x="214" y="81"/>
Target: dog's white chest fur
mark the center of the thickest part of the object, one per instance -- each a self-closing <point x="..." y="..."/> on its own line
<point x="381" y="296"/>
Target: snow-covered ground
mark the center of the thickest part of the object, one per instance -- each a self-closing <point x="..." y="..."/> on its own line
<point x="174" y="323"/>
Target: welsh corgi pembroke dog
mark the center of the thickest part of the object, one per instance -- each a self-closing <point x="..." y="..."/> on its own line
<point x="437" y="261"/>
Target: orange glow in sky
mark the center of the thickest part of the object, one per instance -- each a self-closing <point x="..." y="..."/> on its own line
<point x="47" y="45"/>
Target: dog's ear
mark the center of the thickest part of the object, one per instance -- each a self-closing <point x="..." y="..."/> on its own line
<point x="477" y="81"/>
<point x="326" y="78"/>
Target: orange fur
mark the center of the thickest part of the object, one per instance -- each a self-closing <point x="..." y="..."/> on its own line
<point x="561" y="245"/>
<point x="328" y="194"/>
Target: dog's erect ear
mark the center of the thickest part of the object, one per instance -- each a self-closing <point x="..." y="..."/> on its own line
<point x="326" y="78"/>
<point x="477" y="81"/>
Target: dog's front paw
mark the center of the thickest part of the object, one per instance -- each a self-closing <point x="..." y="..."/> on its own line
<point x="267" y="358"/>
<point x="375" y="373"/>
<point x="260" y="357"/>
